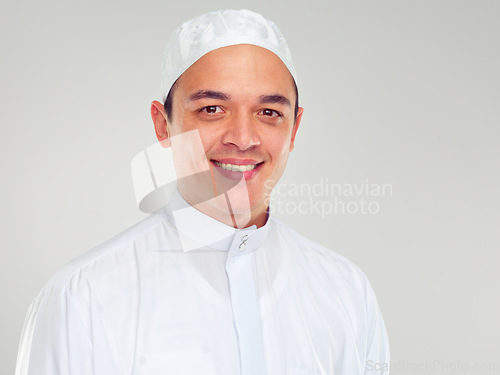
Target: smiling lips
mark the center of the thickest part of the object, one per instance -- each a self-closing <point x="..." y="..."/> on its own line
<point x="235" y="167"/>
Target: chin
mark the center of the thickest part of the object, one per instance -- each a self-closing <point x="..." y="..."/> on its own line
<point x="237" y="202"/>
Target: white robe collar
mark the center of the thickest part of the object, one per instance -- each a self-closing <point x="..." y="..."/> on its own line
<point x="199" y="231"/>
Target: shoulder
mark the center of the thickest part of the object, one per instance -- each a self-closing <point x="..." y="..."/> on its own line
<point x="113" y="254"/>
<point x="87" y="284"/>
<point x="321" y="259"/>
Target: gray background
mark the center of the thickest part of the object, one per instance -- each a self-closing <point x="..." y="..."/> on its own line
<point x="395" y="92"/>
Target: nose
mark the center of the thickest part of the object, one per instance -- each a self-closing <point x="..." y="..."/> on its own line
<point x="241" y="132"/>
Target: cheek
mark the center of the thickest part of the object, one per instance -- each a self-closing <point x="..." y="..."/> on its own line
<point x="279" y="148"/>
<point x="209" y="138"/>
<point x="208" y="134"/>
<point x="178" y="125"/>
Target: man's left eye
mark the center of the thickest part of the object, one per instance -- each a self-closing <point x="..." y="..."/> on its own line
<point x="270" y="112"/>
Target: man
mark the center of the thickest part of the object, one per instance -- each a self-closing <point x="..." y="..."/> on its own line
<point x="210" y="284"/>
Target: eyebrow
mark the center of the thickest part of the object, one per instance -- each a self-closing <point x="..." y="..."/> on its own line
<point x="208" y="94"/>
<point x="273" y="99"/>
<point x="264" y="99"/>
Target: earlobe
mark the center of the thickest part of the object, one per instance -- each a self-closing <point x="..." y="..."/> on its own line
<point x="159" y="118"/>
<point x="296" y="127"/>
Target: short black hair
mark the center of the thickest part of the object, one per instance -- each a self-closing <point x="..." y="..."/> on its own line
<point x="170" y="98"/>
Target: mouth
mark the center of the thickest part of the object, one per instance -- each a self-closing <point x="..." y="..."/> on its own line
<point x="236" y="169"/>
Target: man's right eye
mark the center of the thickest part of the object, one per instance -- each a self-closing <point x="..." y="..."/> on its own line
<point x="211" y="109"/>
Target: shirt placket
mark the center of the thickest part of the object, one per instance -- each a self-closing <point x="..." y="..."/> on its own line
<point x="246" y="313"/>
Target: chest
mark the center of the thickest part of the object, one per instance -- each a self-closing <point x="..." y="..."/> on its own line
<point x="250" y="315"/>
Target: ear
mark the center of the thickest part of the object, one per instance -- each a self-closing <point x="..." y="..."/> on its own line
<point x="159" y="118"/>
<point x="296" y="127"/>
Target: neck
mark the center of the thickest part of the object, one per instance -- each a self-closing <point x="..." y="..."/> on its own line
<point x="221" y="209"/>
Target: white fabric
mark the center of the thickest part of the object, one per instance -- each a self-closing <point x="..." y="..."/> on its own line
<point x="212" y="30"/>
<point x="259" y="301"/>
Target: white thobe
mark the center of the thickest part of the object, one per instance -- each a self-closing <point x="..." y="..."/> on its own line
<point x="181" y="293"/>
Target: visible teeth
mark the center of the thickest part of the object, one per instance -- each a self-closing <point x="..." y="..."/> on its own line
<point x="235" y="167"/>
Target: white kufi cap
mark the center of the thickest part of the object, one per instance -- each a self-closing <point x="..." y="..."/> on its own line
<point x="213" y="30"/>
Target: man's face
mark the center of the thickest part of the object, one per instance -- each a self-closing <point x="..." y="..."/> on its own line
<point x="241" y="100"/>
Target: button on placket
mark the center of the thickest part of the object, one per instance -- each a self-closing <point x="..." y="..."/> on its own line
<point x="243" y="242"/>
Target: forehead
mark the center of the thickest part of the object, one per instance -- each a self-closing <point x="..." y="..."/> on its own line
<point x="239" y="69"/>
